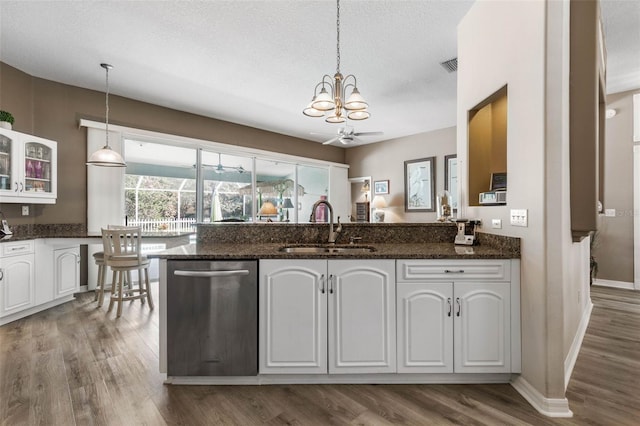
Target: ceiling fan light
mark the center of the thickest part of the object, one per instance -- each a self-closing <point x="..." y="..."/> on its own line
<point x="359" y="115"/>
<point x="323" y="101"/>
<point x="335" y="119"/>
<point x="356" y="102"/>
<point x="106" y="157"/>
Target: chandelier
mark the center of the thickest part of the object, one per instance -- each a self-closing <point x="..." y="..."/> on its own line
<point x="322" y="102"/>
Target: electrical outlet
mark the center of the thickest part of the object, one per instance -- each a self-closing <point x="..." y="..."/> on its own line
<point x="610" y="212"/>
<point x="25" y="210"/>
<point x="519" y="217"/>
<point x="496" y="223"/>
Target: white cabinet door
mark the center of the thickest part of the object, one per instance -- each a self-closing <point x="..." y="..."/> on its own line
<point x="293" y="317"/>
<point x="425" y="327"/>
<point x="482" y="327"/>
<point x="28" y="168"/>
<point x="362" y="316"/>
<point x="16" y="283"/>
<point x="66" y="271"/>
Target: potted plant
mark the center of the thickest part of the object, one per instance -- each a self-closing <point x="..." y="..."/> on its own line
<point x="6" y="120"/>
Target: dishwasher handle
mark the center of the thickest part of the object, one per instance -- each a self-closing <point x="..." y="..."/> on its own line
<point x="210" y="274"/>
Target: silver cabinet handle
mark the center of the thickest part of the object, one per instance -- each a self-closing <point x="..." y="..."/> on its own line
<point x="449" y="271"/>
<point x="458" y="303"/>
<point x="331" y="284"/>
<point x="322" y="283"/>
<point x="21" y="187"/>
<point x="208" y="274"/>
<point x="450" y="307"/>
<point x="16" y="190"/>
<point x="1" y="274"/>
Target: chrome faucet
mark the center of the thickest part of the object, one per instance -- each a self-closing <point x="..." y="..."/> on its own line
<point x="332" y="234"/>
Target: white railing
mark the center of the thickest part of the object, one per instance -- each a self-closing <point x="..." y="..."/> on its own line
<point x="167" y="225"/>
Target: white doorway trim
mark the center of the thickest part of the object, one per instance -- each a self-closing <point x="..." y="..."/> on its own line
<point x="636" y="217"/>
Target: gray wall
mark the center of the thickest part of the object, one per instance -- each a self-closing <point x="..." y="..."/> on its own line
<point x="613" y="245"/>
<point x="385" y="161"/>
<point x="52" y="110"/>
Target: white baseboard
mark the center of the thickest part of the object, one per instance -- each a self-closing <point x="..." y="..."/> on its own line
<point x="611" y="283"/>
<point x="551" y="407"/>
<point x="574" y="350"/>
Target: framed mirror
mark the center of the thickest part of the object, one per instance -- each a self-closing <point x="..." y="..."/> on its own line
<point x="419" y="185"/>
<point x="451" y="178"/>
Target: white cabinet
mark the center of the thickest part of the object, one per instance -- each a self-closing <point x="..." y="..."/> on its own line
<point x="425" y="328"/>
<point x="28" y="168"/>
<point x="35" y="276"/>
<point x="362" y="316"/>
<point x="16" y="277"/>
<point x="469" y="324"/>
<point x="293" y="316"/>
<point x="66" y="266"/>
<point x="319" y="316"/>
<point x="482" y="334"/>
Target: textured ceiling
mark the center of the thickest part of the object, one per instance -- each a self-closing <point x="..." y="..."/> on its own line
<point x="256" y="62"/>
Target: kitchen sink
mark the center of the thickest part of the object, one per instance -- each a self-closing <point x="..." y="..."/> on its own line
<point x="327" y="249"/>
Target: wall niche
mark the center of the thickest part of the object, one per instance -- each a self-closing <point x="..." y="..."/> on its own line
<point x="487" y="143"/>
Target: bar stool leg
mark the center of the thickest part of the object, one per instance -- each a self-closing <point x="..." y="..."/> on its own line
<point x="148" y="287"/>
<point x="120" y="291"/>
<point x="102" y="279"/>
<point x="100" y="284"/>
<point x="114" y="289"/>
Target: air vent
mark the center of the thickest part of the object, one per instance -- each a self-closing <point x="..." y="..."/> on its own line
<point x="451" y="65"/>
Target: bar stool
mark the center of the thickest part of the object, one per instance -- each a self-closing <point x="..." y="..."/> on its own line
<point x="122" y="253"/>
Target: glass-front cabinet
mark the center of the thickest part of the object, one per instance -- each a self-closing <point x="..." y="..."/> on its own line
<point x="28" y="168"/>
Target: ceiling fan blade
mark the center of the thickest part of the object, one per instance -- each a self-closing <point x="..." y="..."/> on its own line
<point x="331" y="140"/>
<point x="324" y="134"/>
<point x="368" y="133"/>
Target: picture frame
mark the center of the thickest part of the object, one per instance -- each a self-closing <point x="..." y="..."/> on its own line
<point x="380" y="187"/>
<point x="451" y="179"/>
<point x="420" y="185"/>
<point x="499" y="181"/>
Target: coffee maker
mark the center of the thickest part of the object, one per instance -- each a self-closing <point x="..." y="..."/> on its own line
<point x="462" y="238"/>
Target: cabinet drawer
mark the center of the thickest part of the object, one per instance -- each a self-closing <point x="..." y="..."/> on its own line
<point x="15" y="248"/>
<point x="453" y="270"/>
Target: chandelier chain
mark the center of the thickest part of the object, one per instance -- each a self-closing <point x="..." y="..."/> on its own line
<point x="338" y="38"/>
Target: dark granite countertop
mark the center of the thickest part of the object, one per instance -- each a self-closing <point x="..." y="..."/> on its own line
<point x="211" y="251"/>
<point x="389" y="241"/>
<point x="70" y="230"/>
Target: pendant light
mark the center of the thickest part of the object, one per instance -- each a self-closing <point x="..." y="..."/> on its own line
<point x="106" y="157"/>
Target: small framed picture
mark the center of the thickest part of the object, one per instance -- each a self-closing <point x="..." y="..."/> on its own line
<point x="381" y="187"/>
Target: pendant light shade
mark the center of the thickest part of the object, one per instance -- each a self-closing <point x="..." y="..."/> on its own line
<point x="106" y="157"/>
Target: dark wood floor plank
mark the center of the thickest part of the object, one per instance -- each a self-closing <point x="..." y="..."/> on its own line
<point x="78" y="364"/>
<point x="49" y="391"/>
<point x="15" y="377"/>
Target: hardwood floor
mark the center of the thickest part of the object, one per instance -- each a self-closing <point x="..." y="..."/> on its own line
<point x="75" y="364"/>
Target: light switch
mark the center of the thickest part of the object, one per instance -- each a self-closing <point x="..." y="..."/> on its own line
<point x="519" y="217"/>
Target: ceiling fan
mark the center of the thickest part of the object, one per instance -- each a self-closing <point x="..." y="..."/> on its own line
<point x="347" y="136"/>
<point x="220" y="168"/>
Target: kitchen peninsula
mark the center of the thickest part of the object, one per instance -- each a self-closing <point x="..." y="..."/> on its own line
<point x="407" y="306"/>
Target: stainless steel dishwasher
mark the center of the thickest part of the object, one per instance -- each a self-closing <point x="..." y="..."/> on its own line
<point x="212" y="318"/>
